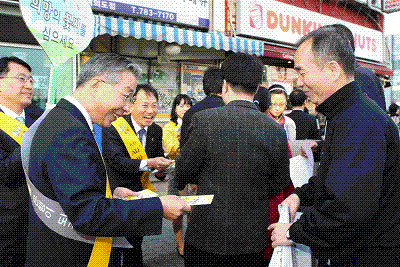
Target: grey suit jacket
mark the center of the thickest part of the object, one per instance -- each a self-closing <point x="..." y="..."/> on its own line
<point x="239" y="155"/>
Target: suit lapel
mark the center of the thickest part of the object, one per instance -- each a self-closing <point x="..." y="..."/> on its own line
<point x="65" y="104"/>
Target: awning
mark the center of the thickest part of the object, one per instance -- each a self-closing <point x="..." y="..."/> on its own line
<point x="378" y="69"/>
<point x="279" y="52"/>
<point x="172" y="34"/>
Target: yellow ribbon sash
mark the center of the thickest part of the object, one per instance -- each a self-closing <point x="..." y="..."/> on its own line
<point x="134" y="147"/>
<point x="100" y="256"/>
<point x="12" y="127"/>
<point x="101" y="252"/>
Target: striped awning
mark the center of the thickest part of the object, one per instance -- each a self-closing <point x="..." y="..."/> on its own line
<point x="172" y="34"/>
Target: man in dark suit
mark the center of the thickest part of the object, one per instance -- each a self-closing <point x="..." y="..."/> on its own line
<point x="306" y="124"/>
<point x="127" y="172"/>
<point x="212" y="86"/>
<point x="240" y="156"/>
<point x="16" y="89"/>
<point x="67" y="169"/>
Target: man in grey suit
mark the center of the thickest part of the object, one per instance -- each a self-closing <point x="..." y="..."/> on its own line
<point x="240" y="156"/>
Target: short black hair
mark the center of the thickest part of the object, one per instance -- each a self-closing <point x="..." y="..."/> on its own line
<point x="242" y="71"/>
<point x="262" y="99"/>
<point x="212" y="81"/>
<point x="277" y="89"/>
<point x="297" y="98"/>
<point x="177" y="101"/>
<point x="393" y="109"/>
<point x="4" y="68"/>
<point x="147" y="88"/>
<point x="328" y="44"/>
<point x="346" y="32"/>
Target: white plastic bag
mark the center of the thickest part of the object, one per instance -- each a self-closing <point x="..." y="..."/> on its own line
<point x="297" y="255"/>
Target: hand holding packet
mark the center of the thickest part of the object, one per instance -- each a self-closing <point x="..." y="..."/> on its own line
<point x="191" y="200"/>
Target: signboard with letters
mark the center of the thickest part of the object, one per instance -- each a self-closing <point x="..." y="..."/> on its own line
<point x="189" y="12"/>
<point x="286" y="23"/>
<point x="389" y="6"/>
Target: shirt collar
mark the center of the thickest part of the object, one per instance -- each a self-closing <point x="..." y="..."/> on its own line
<point x="335" y="102"/>
<point x="11" y="113"/>
<point x="179" y="121"/>
<point x="85" y="114"/>
<point x="137" y="127"/>
<point x="297" y="109"/>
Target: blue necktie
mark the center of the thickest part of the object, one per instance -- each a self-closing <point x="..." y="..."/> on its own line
<point x="20" y="119"/>
<point x="141" y="134"/>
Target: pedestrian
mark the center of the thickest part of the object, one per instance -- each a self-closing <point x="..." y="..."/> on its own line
<point x="16" y="114"/>
<point x="393" y="111"/>
<point x="240" y="156"/>
<point x="351" y="206"/>
<point x="67" y="172"/>
<point x="171" y="137"/>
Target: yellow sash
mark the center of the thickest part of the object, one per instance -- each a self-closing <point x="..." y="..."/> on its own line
<point x="12" y="127"/>
<point x="134" y="147"/>
<point x="102" y="247"/>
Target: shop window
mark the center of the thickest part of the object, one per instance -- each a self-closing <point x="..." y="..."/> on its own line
<point x="41" y="69"/>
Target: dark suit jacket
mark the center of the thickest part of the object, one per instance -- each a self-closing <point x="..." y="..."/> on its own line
<point x="66" y="166"/>
<point x="211" y="101"/>
<point x="306" y="125"/>
<point x="14" y="196"/>
<point x="370" y="84"/>
<point x="239" y="155"/>
<point x="122" y="170"/>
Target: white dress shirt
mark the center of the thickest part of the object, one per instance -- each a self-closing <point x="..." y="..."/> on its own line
<point x="143" y="163"/>
<point x="11" y="113"/>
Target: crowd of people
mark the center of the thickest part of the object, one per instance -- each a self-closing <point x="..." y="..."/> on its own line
<point x="61" y="197"/>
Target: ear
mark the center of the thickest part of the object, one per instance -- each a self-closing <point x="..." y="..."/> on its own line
<point x="225" y="87"/>
<point x="94" y="86"/>
<point x="334" y="69"/>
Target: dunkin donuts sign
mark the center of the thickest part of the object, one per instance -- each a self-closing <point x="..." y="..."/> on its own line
<point x="275" y="20"/>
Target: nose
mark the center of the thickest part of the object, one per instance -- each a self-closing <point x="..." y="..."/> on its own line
<point x="300" y="82"/>
<point x="126" y="107"/>
<point x="28" y="85"/>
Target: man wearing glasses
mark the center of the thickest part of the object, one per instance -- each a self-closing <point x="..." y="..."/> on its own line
<point x="132" y="148"/>
<point x="66" y="167"/>
<point x="16" y="114"/>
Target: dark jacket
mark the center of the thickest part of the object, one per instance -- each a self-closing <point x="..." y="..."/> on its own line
<point x="306" y="125"/>
<point x="240" y="156"/>
<point x="353" y="203"/>
<point x="122" y="170"/>
<point x="14" y="196"/>
<point x="211" y="101"/>
<point x="67" y="167"/>
<point x="370" y="84"/>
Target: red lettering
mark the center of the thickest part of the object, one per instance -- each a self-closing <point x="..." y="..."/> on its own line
<point x="296" y="25"/>
<point x="363" y="42"/>
<point x="355" y="40"/>
<point x="272" y="19"/>
<point x="306" y="26"/>
<point x="368" y="41"/>
<point x="284" y="28"/>
<point x="373" y="45"/>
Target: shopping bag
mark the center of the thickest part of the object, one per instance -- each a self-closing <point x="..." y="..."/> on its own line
<point x="297" y="255"/>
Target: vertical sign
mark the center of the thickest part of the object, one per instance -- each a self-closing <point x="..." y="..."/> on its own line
<point x="63" y="28"/>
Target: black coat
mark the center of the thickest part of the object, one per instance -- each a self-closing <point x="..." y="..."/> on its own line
<point x="353" y="203"/>
<point x="122" y="170"/>
<point x="14" y="196"/>
<point x="211" y="101"/>
<point x="66" y="166"/>
<point x="240" y="156"/>
<point x="370" y="84"/>
<point x="306" y="125"/>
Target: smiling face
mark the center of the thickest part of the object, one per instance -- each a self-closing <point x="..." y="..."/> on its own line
<point x="181" y="108"/>
<point x="144" y="109"/>
<point x="111" y="98"/>
<point x="15" y="94"/>
<point x="316" y="83"/>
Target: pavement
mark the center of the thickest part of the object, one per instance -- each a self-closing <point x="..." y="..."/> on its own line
<point x="160" y="250"/>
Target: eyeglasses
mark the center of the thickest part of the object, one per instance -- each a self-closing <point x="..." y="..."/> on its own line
<point x="22" y="79"/>
<point x="127" y="97"/>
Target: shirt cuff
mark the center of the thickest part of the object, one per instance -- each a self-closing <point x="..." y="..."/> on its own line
<point x="143" y="166"/>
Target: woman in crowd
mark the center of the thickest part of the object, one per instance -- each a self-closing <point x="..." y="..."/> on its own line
<point x="393" y="111"/>
<point x="275" y="111"/>
<point x="171" y="138"/>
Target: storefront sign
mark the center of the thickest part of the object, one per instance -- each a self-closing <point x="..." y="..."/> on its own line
<point x="286" y="23"/>
<point x="192" y="81"/>
<point x="190" y="12"/>
<point x="390" y="6"/>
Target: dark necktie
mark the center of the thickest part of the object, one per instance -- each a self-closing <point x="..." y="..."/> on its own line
<point x="141" y="134"/>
